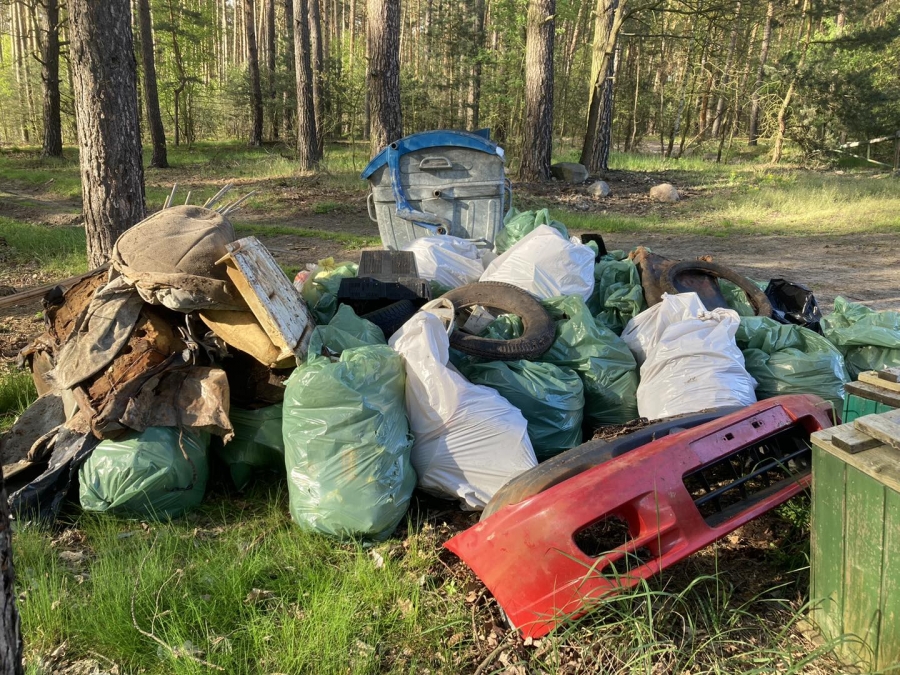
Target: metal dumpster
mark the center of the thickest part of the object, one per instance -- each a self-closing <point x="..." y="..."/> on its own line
<point x="436" y="183"/>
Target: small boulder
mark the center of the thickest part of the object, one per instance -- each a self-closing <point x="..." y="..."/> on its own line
<point x="571" y="172"/>
<point x="664" y="192"/>
<point x="598" y="189"/>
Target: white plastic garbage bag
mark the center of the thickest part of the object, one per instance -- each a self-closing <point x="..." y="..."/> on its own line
<point x="692" y="360"/>
<point x="643" y="331"/>
<point x="450" y="261"/>
<point x="545" y="264"/>
<point x="469" y="440"/>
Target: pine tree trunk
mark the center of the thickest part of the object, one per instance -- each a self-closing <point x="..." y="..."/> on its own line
<point x="151" y="95"/>
<point x="474" y="101"/>
<point x="109" y="140"/>
<point x="610" y="16"/>
<point x="760" y="73"/>
<point x="290" y="95"/>
<point x="256" y="104"/>
<point x="307" y="143"/>
<point x="726" y="73"/>
<point x="383" y="75"/>
<point x="538" y="90"/>
<point x="318" y="65"/>
<point x="50" y="75"/>
<point x="10" y="629"/>
<point x="270" y="67"/>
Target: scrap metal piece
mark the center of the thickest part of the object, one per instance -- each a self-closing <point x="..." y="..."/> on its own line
<point x="672" y="497"/>
<point x="276" y="306"/>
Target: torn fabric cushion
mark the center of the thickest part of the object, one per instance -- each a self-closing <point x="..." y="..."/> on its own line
<point x="171" y="257"/>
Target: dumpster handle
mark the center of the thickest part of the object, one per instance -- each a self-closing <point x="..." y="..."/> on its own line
<point x="370" y="207"/>
<point x="507" y="190"/>
<point x="430" y="221"/>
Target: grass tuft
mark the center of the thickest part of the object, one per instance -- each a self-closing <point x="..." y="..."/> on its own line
<point x="57" y="250"/>
<point x="17" y="392"/>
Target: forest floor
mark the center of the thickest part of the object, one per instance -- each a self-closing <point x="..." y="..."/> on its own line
<point x="236" y="585"/>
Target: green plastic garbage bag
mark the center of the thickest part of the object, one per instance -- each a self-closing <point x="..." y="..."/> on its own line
<point x="551" y="399"/>
<point x="618" y="295"/>
<point x="321" y="287"/>
<point x="736" y="299"/>
<point x="346" y="436"/>
<point x="604" y="362"/>
<point x="159" y="473"/>
<point x="790" y="359"/>
<point x="257" y="445"/>
<point x="869" y="340"/>
<point x="519" y="224"/>
<point x="600" y="357"/>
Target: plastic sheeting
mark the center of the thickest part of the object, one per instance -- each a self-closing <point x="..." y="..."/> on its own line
<point x="790" y="359"/>
<point x="691" y="361"/>
<point x="518" y="225"/>
<point x="469" y="440"/>
<point x="257" y="446"/>
<point x="602" y="360"/>
<point x="346" y="434"/>
<point x="320" y="288"/>
<point x="549" y="397"/>
<point x="618" y="295"/>
<point x="869" y="340"/>
<point x="546" y="265"/>
<point x="160" y="473"/>
<point x="450" y="262"/>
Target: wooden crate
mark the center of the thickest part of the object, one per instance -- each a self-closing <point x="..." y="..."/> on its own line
<point x="855" y="548"/>
<point x="862" y="398"/>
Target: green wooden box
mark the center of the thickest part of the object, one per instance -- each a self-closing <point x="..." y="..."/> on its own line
<point x="855" y="552"/>
<point x="866" y="399"/>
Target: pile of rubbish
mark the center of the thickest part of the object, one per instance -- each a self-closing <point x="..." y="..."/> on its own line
<point x="475" y="370"/>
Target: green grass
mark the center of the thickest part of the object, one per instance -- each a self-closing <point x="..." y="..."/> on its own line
<point x="16" y="393"/>
<point x="327" y="607"/>
<point x="56" y="250"/>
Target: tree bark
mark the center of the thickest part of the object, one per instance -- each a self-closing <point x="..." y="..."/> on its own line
<point x="610" y="16"/>
<point x="318" y="65"/>
<point x="726" y="73"/>
<point x="151" y="95"/>
<point x="474" y="102"/>
<point x="536" y="151"/>
<point x="760" y="74"/>
<point x="307" y="143"/>
<point x="50" y="75"/>
<point x="383" y="73"/>
<point x="109" y="139"/>
<point x="256" y="105"/>
<point x="10" y="628"/>
<point x="270" y="67"/>
<point x="290" y="97"/>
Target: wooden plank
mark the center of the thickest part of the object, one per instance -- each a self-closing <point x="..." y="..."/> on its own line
<point x="852" y="440"/>
<point x="31" y="294"/>
<point x="863" y="557"/>
<point x="885" y="427"/>
<point x="890" y="374"/>
<point x="868" y="391"/>
<point x="827" y="543"/>
<point x="875" y="379"/>
<point x="881" y="463"/>
<point x="274" y="301"/>
<point x="889" y="643"/>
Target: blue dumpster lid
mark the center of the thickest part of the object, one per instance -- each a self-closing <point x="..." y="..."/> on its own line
<point x="433" y="139"/>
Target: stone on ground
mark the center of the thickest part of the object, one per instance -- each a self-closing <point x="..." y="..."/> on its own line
<point x="664" y="192"/>
<point x="571" y="172"/>
<point x="598" y="189"/>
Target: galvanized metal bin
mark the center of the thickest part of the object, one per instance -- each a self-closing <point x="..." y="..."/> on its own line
<point x="438" y="182"/>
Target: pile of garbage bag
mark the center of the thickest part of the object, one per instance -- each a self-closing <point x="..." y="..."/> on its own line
<point x="361" y="382"/>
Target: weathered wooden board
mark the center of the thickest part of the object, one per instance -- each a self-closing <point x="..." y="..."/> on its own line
<point x="827" y="543"/>
<point x="850" y="439"/>
<point x="272" y="299"/>
<point x="885" y="427"/>
<point x="874" y="378"/>
<point x="874" y="393"/>
<point x="890" y="374"/>
<point x="881" y="463"/>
